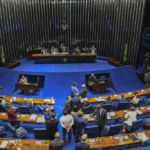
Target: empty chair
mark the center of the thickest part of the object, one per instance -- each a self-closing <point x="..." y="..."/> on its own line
<point x="91" y="130"/>
<point x="88" y="109"/>
<point x="102" y="78"/>
<point x="2" y="107"/>
<point x="25" y="110"/>
<point x="2" y="129"/>
<point x="135" y="125"/>
<point x="39" y="133"/>
<point x="19" y="133"/>
<point x="146" y="121"/>
<point x="41" y="109"/>
<point x="113" y="129"/>
<point x="107" y="107"/>
<point x="122" y="105"/>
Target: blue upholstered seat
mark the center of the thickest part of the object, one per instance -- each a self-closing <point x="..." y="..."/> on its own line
<point x="2" y="107"/>
<point x="122" y="105"/>
<point x="91" y="130"/>
<point x="146" y="121"/>
<point x="25" y="110"/>
<point x="135" y="125"/>
<point x="19" y="133"/>
<point x="113" y="129"/>
<point x="40" y="133"/>
<point x="2" y="129"/>
<point x="41" y="109"/>
<point x="108" y="107"/>
<point x="88" y="109"/>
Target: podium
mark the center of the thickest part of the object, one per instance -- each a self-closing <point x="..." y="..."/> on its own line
<point x="102" y="86"/>
<point x="26" y="87"/>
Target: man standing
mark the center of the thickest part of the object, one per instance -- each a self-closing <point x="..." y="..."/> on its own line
<point x="83" y="91"/>
<point x="66" y="122"/>
<point x="101" y="118"/>
<point x="82" y="145"/>
<point x="80" y="124"/>
<point x="51" y="126"/>
<point x="57" y="144"/>
<point x="67" y="104"/>
<point x="74" y="89"/>
<point x="76" y="100"/>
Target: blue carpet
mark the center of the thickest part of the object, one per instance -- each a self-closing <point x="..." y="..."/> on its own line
<point x="59" y="78"/>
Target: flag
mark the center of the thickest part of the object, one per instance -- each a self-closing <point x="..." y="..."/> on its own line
<point x="3" y="55"/>
<point x="125" y="54"/>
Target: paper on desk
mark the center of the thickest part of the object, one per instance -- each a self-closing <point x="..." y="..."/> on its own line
<point x="116" y="138"/>
<point x="3" y="144"/>
<point x="139" y="112"/>
<point x="86" y="116"/>
<point x="142" y="136"/>
<point x="38" y="142"/>
<point x="148" y="108"/>
<point x="3" y="114"/>
<point x="13" y="99"/>
<point x="129" y="93"/>
<point x="100" y="99"/>
<point x="47" y="100"/>
<point x="125" y="111"/>
<point x="33" y="117"/>
<point x="23" y="115"/>
<point x="142" y="90"/>
<point x="12" y="141"/>
<point x="115" y="95"/>
<point x="41" y="119"/>
<point x="142" y="108"/>
<point x="112" y="114"/>
<point x="108" y="116"/>
<point x="30" y="99"/>
<point x="91" y="140"/>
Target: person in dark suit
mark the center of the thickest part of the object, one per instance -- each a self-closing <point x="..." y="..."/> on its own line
<point x="85" y="50"/>
<point x="147" y="142"/>
<point x="67" y="104"/>
<point x="83" y="91"/>
<point x="77" y="50"/>
<point x="27" y="104"/>
<point x="101" y="118"/>
<point x="122" y="99"/>
<point x="82" y="145"/>
<point x="57" y="144"/>
<point x="51" y="126"/>
<point x="85" y="104"/>
<point x="80" y="124"/>
<point x="74" y="89"/>
<point x="108" y="101"/>
<point x="75" y="101"/>
<point x="92" y="79"/>
<point x="60" y="47"/>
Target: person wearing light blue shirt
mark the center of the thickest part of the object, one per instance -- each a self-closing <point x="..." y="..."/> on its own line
<point x="93" y="50"/>
<point x="74" y="89"/>
<point x="43" y="50"/>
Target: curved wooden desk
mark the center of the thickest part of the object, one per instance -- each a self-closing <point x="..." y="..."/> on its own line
<point x="26" y="144"/>
<point x="36" y="101"/>
<point x="93" y="100"/>
<point x="141" y="111"/>
<point x="111" y="142"/>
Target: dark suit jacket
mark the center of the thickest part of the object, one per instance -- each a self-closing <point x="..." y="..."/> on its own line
<point x="67" y="106"/>
<point x="80" y="124"/>
<point x="56" y="145"/>
<point x="82" y="146"/>
<point x="101" y="119"/>
<point x="83" y="93"/>
<point x="51" y="127"/>
<point x="75" y="101"/>
<point x="146" y="143"/>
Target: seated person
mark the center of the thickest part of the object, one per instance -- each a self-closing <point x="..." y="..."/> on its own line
<point x="83" y="91"/>
<point x="77" y="50"/>
<point x="74" y="89"/>
<point x="107" y="101"/>
<point x="92" y="79"/>
<point x="28" y="104"/>
<point x="64" y="49"/>
<point x="57" y="144"/>
<point x="29" y="48"/>
<point x="130" y="116"/>
<point x="45" y="105"/>
<point x="47" y="114"/>
<point x="38" y="47"/>
<point x="122" y="99"/>
<point x="4" y="101"/>
<point x="60" y="47"/>
<point x="23" y="80"/>
<point x="146" y="142"/>
<point x="93" y="50"/>
<point x="67" y="104"/>
<point x="85" y="50"/>
<point x="75" y="101"/>
<point x="135" y="99"/>
<point x="43" y="50"/>
<point x="54" y="50"/>
<point x="85" y="104"/>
